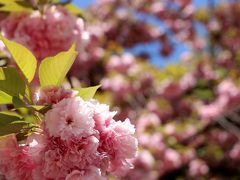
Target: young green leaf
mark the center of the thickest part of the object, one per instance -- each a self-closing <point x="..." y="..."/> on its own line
<point x="8" y="118"/>
<point x="23" y="57"/>
<point x="10" y="128"/>
<point x="74" y="9"/>
<point x="11" y="82"/>
<point x="5" y="98"/>
<point x="14" y="7"/>
<point x="10" y="123"/>
<point x="53" y="70"/>
<point x="8" y="1"/>
<point x="17" y="102"/>
<point x="87" y="93"/>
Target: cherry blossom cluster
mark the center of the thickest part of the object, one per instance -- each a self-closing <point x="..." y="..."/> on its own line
<point x="77" y="140"/>
<point x="175" y="109"/>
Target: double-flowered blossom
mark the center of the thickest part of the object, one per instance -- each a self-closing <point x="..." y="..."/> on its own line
<point x="15" y="162"/>
<point x="45" y="34"/>
<point x="77" y="140"/>
<point x="52" y="95"/>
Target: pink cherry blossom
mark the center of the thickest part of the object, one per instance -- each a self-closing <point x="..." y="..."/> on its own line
<point x="198" y="168"/>
<point x="52" y="95"/>
<point x="120" y="144"/>
<point x="102" y="115"/>
<point x="80" y="139"/>
<point x="91" y="174"/>
<point x="235" y="152"/>
<point x="15" y="163"/>
<point x="121" y="64"/>
<point x="70" y="117"/>
<point x="45" y="35"/>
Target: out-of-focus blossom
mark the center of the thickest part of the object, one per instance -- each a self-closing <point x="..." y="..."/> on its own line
<point x="121" y="64"/>
<point x="228" y="97"/>
<point x="197" y="168"/>
<point x="118" y="85"/>
<point x="45" y="35"/>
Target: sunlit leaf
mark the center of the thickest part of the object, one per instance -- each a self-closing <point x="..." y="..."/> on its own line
<point x="11" y="82"/>
<point x="23" y="57"/>
<point x="74" y="9"/>
<point x="87" y="93"/>
<point x="13" y="7"/>
<point x="53" y="70"/>
<point x="5" y="98"/>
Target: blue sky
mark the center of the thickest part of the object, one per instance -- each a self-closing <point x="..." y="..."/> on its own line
<point x="157" y="60"/>
<point x="86" y="3"/>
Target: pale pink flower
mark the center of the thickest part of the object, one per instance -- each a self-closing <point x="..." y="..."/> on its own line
<point x="15" y="163"/>
<point x="57" y="158"/>
<point x="78" y="136"/>
<point x="213" y="110"/>
<point x="37" y="143"/>
<point x="197" y="168"/>
<point x="118" y="85"/>
<point x="163" y="112"/>
<point x="228" y="98"/>
<point x="52" y="95"/>
<point x="172" y="158"/>
<point x="45" y="35"/>
<point x="147" y="123"/>
<point x="91" y="174"/>
<point x="188" y="81"/>
<point x="61" y="157"/>
<point x="102" y="115"/>
<point x="206" y="72"/>
<point x="144" y="164"/>
<point x="170" y="129"/>
<point x="70" y="117"/>
<point x="79" y="140"/>
<point x="228" y="88"/>
<point x="121" y="64"/>
<point x="120" y="144"/>
<point x="235" y="152"/>
<point x="145" y="159"/>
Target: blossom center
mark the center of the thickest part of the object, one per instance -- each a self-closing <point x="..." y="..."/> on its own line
<point x="69" y="120"/>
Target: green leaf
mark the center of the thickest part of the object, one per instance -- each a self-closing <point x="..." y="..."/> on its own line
<point x="23" y="57"/>
<point x="7" y="2"/>
<point x="11" y="82"/>
<point x="5" y="98"/>
<point x="10" y="123"/>
<point x="37" y="107"/>
<point x="13" y="7"/>
<point x="17" y="102"/>
<point x="9" y="117"/>
<point x="87" y="93"/>
<point x="53" y="70"/>
<point x="74" y="9"/>
<point x="204" y="94"/>
<point x="15" y="127"/>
